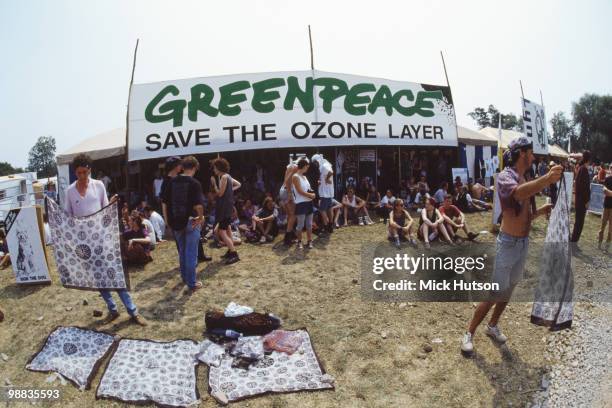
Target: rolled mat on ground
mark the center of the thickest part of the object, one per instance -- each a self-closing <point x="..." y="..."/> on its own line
<point x="87" y="249"/>
<point x="251" y="324"/>
<point x="275" y="373"/>
<point x="148" y="371"/>
<point x="74" y="353"/>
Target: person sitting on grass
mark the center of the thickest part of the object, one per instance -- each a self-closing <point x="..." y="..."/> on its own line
<point x="454" y="219"/>
<point x="5" y="258"/>
<point x="157" y="221"/>
<point x="386" y="205"/>
<point x="336" y="211"/>
<point x="400" y="224"/>
<point x="421" y="197"/>
<point x="441" y="193"/>
<point x="264" y="220"/>
<point x="373" y="198"/>
<point x="137" y="242"/>
<point x="478" y="199"/>
<point x="465" y="202"/>
<point x="354" y="207"/>
<point x="432" y="223"/>
<point x="248" y="210"/>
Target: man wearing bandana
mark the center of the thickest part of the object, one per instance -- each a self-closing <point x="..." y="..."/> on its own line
<point x="517" y="197"/>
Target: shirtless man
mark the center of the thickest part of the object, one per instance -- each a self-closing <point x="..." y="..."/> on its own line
<point x="517" y="197"/>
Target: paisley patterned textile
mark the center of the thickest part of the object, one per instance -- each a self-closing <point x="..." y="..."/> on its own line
<point x="275" y="373"/>
<point x="553" y="306"/>
<point x="87" y="249"/>
<point x="143" y="371"/>
<point x="74" y="353"/>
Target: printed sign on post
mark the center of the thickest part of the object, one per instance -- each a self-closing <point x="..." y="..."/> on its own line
<point x="596" y="203"/>
<point x="25" y="243"/>
<point x="534" y="122"/>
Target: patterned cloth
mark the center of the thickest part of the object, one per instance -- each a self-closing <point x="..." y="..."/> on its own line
<point x="553" y="306"/>
<point x="74" y="353"/>
<point x="275" y="373"/>
<point x="147" y="371"/>
<point x="87" y="249"/>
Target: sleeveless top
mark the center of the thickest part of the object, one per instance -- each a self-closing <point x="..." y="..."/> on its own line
<point x="433" y="218"/>
<point x="401" y="219"/>
<point x="352" y="203"/>
<point x="225" y="204"/>
<point x="305" y="184"/>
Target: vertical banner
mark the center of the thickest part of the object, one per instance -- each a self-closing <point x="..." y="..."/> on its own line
<point x="534" y="122"/>
<point x="25" y="243"/>
<point x="596" y="203"/>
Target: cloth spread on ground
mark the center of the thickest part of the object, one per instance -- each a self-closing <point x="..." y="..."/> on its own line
<point x="252" y="324"/>
<point x="283" y="341"/>
<point x="73" y="353"/>
<point x="553" y="306"/>
<point x="274" y="373"/>
<point x="87" y="249"/>
<point x="210" y="353"/>
<point x="147" y="371"/>
<point x="234" y="309"/>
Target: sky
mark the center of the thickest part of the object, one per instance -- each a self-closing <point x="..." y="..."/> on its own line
<point x="66" y="65"/>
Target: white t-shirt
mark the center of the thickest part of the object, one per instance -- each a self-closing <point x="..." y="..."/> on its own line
<point x="157" y="183"/>
<point x="326" y="190"/>
<point x="150" y="231"/>
<point x="106" y="180"/>
<point x="387" y="200"/>
<point x="158" y="225"/>
<point x="93" y="201"/>
<point x="419" y="197"/>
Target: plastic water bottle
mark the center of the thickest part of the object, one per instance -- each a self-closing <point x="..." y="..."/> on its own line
<point x="232" y="334"/>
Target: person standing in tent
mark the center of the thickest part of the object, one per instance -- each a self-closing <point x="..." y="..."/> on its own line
<point x="517" y="198"/>
<point x="87" y="196"/>
<point x="582" y="188"/>
<point x="326" y="191"/>
<point x="224" y="189"/>
<point x="287" y="201"/>
<point x="303" y="202"/>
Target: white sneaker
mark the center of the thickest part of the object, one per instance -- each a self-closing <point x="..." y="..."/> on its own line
<point x="369" y="221"/>
<point x="262" y="240"/>
<point x="466" y="344"/>
<point x="360" y="220"/>
<point x="496" y="334"/>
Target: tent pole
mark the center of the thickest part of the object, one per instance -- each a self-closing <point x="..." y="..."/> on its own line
<point x="451" y="98"/>
<point x="127" y="126"/>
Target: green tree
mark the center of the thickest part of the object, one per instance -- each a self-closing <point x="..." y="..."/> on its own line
<point x="592" y="115"/>
<point x="563" y="129"/>
<point x="42" y="157"/>
<point x="490" y="118"/>
<point x="7" y="168"/>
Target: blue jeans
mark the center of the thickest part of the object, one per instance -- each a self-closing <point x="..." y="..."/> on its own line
<point x="125" y="297"/>
<point x="187" y="241"/>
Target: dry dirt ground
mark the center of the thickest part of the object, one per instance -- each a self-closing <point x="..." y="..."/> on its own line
<point x="374" y="350"/>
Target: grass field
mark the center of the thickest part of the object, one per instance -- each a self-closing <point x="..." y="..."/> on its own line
<point x="374" y="350"/>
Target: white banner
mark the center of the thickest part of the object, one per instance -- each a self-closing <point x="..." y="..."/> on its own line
<point x="534" y="123"/>
<point x="284" y="110"/>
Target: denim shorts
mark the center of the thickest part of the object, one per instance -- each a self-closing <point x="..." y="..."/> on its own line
<point x="325" y="203"/>
<point x="510" y="258"/>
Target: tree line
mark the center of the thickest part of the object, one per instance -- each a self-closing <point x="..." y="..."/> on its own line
<point x="41" y="159"/>
<point x="588" y="128"/>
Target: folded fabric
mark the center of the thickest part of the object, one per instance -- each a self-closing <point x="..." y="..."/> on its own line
<point x="252" y="324"/>
<point x="210" y="353"/>
<point x="249" y="347"/>
<point x="234" y="309"/>
<point x="283" y="341"/>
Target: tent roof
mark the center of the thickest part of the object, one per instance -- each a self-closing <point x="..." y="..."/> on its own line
<point x="473" y="137"/>
<point x="102" y="146"/>
<point x="557" y="151"/>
